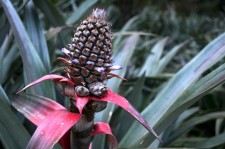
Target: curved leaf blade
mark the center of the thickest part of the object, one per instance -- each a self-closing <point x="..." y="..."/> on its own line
<point x="44" y="78"/>
<point x="83" y="8"/>
<point x="33" y="66"/>
<point x="192" y="95"/>
<point x="3" y="97"/>
<point x="167" y="58"/>
<point x="185" y="127"/>
<point x="35" y="108"/>
<point x="12" y="132"/>
<point x="52" y="128"/>
<point x="50" y="11"/>
<point x="156" y="111"/>
<point x="35" y="31"/>
<point x="201" y="88"/>
<point x="6" y="65"/>
<point x="104" y="128"/>
<point x="122" y="102"/>
<point x="211" y="142"/>
<point x="153" y="59"/>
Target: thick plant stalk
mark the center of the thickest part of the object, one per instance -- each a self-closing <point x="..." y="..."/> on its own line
<point x="80" y="134"/>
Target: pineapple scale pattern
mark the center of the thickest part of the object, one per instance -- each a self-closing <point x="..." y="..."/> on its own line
<point x="88" y="57"/>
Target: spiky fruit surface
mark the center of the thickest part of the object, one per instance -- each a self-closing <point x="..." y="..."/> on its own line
<point x="88" y="57"/>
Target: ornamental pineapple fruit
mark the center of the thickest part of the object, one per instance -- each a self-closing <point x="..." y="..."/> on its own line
<point x="88" y="57"/>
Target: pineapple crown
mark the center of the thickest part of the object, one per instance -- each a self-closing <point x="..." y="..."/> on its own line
<point x="99" y="14"/>
<point x="88" y="56"/>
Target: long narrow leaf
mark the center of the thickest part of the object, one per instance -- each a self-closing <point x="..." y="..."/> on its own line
<point x="35" y="31"/>
<point x="167" y="58"/>
<point x="83" y="8"/>
<point x="3" y="96"/>
<point x="44" y="78"/>
<point x="197" y="90"/>
<point x="35" y="108"/>
<point x="185" y="115"/>
<point x="52" y="128"/>
<point x="201" y="88"/>
<point x="154" y="113"/>
<point x="210" y="143"/>
<point x="153" y="58"/>
<point x="4" y="29"/>
<point x="12" y="132"/>
<point x="192" y="95"/>
<point x="5" y="45"/>
<point x="50" y="11"/>
<point x="8" y="60"/>
<point x="123" y="103"/>
<point x="33" y="65"/>
<point x="185" y="127"/>
<point x="118" y="39"/>
<point x="123" y="58"/>
<point x="218" y="125"/>
<point x="124" y="117"/>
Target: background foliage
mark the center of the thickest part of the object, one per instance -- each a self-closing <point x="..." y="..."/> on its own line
<point x="155" y="41"/>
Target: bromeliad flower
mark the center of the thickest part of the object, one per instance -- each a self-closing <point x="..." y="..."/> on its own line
<point x="89" y="66"/>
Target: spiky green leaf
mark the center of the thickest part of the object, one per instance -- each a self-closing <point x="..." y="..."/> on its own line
<point x="177" y="86"/>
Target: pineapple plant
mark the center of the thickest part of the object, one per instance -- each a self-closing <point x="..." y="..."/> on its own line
<point x="88" y="67"/>
<point x="49" y="109"/>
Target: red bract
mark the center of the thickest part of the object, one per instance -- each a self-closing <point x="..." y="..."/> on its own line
<point x="122" y="102"/>
<point x="54" y="120"/>
<point x="54" y="77"/>
<point x="35" y="108"/>
<point x="81" y="102"/>
<point x="103" y="128"/>
<point x="119" y="101"/>
<point x="52" y="128"/>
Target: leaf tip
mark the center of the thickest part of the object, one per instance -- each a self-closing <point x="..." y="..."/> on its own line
<point x="20" y="91"/>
